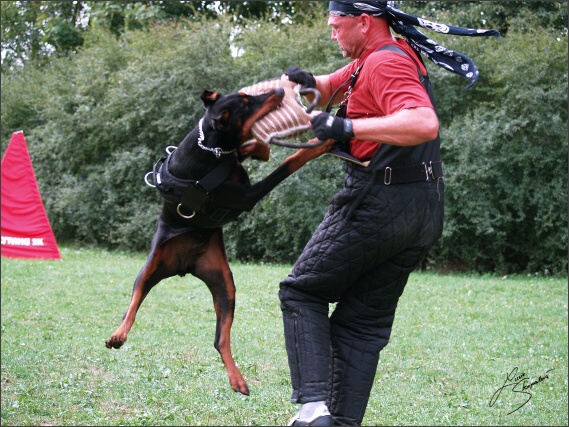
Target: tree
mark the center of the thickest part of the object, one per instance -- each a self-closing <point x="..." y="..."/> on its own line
<point x="34" y="30"/>
<point x="96" y="121"/>
<point x="505" y="154"/>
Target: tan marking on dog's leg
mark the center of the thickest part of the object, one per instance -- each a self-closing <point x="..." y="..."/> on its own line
<point x="141" y="288"/>
<point x="214" y="270"/>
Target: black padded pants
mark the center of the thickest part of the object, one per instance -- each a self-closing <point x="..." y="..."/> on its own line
<point x="360" y="256"/>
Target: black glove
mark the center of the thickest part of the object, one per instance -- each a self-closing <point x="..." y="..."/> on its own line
<point x="298" y="75"/>
<point x="326" y="126"/>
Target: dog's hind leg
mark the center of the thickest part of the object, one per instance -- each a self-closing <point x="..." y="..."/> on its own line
<point x="214" y="270"/>
<point x="153" y="272"/>
<point x="174" y="257"/>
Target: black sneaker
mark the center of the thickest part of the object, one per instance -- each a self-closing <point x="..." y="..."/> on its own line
<point x="324" y="420"/>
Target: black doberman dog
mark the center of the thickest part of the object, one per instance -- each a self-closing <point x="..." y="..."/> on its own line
<point x="189" y="236"/>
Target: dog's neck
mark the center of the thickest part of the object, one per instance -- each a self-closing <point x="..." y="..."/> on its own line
<point x="215" y="150"/>
<point x="198" y="153"/>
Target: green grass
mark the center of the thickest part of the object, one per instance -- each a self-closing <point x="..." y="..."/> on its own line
<point x="455" y="339"/>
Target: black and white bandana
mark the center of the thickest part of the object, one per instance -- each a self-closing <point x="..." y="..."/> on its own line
<point x="404" y="25"/>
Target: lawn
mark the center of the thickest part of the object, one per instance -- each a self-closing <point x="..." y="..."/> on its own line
<point x="466" y="349"/>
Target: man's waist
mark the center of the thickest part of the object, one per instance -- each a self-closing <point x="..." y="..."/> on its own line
<point x="425" y="171"/>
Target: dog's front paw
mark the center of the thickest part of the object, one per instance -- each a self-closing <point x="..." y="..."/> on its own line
<point x="256" y="150"/>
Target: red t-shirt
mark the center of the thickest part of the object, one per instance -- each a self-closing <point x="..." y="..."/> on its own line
<point x="387" y="83"/>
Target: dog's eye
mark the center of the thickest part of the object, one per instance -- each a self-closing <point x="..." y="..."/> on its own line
<point x="248" y="102"/>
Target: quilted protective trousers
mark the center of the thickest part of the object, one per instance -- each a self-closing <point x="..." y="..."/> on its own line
<point x="360" y="257"/>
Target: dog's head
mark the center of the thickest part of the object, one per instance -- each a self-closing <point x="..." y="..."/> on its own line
<point x="232" y="116"/>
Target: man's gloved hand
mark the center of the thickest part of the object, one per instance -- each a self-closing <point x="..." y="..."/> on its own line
<point x="298" y="75"/>
<point x="327" y="126"/>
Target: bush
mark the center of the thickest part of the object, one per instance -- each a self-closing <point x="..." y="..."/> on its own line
<point x="96" y="121"/>
<point x="506" y="160"/>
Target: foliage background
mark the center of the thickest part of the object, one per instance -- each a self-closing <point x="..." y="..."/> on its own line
<point x="99" y="100"/>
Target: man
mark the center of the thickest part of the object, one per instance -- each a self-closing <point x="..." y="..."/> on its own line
<point x="381" y="225"/>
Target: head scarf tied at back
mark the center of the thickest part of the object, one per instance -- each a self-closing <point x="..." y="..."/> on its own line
<point x="404" y="25"/>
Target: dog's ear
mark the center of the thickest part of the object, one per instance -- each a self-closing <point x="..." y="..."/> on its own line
<point x="209" y="97"/>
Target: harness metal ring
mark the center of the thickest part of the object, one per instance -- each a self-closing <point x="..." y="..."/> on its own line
<point x="146" y="180"/>
<point x="184" y="216"/>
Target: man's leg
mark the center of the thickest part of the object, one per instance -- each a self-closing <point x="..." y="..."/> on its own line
<point x="348" y="250"/>
<point x="360" y="328"/>
<point x="307" y="340"/>
<point x="330" y="262"/>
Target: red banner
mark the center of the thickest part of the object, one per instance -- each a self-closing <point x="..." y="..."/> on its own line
<point x="26" y="231"/>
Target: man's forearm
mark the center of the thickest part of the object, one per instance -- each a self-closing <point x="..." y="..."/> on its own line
<point x="407" y="127"/>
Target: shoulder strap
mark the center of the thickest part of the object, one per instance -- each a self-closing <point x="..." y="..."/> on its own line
<point x="393" y="49"/>
<point x="196" y="194"/>
<point x="218" y="175"/>
<point x="352" y="79"/>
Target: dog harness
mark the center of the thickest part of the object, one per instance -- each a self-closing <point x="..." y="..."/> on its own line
<point x="193" y="196"/>
<point x="191" y="193"/>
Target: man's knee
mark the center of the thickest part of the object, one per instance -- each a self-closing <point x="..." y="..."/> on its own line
<point x="292" y="297"/>
<point x="355" y="321"/>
